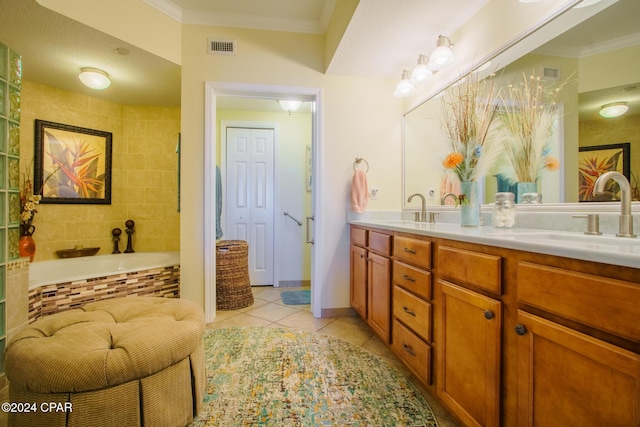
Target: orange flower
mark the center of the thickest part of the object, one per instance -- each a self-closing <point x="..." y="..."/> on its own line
<point x="452" y="160"/>
<point x="552" y="164"/>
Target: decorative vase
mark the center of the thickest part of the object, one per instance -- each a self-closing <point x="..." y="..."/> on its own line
<point x="26" y="244"/>
<point x="470" y="204"/>
<point x="27" y="247"/>
<point x="524" y="188"/>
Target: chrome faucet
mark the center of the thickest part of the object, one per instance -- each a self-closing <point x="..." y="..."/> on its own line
<point x="423" y="211"/>
<point x="625" y="221"/>
<point x="444" y="198"/>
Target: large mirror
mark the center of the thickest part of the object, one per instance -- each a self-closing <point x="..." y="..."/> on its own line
<point x="601" y="58"/>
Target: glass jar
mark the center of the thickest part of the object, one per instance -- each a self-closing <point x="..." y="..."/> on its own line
<point x="503" y="214"/>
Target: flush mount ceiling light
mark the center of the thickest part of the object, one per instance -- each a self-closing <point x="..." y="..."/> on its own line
<point x="405" y="87"/>
<point x="290" y="106"/>
<point x="528" y="1"/>
<point x="442" y="55"/>
<point x="94" y="78"/>
<point x="615" y="109"/>
<point x="421" y="72"/>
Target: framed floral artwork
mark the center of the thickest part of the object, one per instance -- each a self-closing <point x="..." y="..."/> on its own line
<point x="595" y="160"/>
<point x="72" y="164"/>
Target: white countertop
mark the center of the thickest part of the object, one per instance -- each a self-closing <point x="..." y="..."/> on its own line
<point x="606" y="248"/>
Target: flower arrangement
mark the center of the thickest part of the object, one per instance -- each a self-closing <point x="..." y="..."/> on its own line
<point x="28" y="203"/>
<point x="529" y="110"/>
<point x="468" y="111"/>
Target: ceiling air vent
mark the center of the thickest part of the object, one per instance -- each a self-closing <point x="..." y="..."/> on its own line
<point x="222" y="47"/>
<point x="551" y="73"/>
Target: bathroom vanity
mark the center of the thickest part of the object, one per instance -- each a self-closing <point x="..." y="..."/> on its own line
<point x="506" y="327"/>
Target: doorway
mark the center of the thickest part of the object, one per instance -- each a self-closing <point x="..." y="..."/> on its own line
<point x="213" y="90"/>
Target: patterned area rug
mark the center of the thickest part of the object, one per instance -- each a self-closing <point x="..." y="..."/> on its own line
<point x="280" y="377"/>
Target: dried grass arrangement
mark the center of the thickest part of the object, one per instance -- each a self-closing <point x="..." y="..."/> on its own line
<point x="527" y="115"/>
<point x="468" y="111"/>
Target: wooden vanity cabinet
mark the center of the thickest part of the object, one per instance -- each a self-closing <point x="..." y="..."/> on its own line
<point x="370" y="282"/>
<point x="565" y="376"/>
<point x="412" y="305"/>
<point x="469" y="346"/>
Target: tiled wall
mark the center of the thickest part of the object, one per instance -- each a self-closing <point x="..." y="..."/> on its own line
<point x="144" y="173"/>
<point x="49" y="299"/>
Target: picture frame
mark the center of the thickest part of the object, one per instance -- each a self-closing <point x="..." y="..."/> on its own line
<point x="595" y="160"/>
<point x="72" y="164"/>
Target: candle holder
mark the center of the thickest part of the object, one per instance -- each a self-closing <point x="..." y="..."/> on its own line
<point x="129" y="224"/>
<point x="116" y="232"/>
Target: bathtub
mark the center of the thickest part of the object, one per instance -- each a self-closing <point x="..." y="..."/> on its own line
<point x="62" y="284"/>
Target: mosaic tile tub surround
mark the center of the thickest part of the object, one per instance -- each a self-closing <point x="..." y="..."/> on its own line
<point x="53" y="298"/>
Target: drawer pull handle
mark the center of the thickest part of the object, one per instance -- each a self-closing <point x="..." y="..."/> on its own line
<point x="409" y="278"/>
<point x="521" y="330"/>
<point x="411" y="251"/>
<point x="361" y="256"/>
<point x="488" y="315"/>
<point x="408" y="311"/>
<point x="408" y="349"/>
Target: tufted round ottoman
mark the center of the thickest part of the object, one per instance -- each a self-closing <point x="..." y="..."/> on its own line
<point x="121" y="362"/>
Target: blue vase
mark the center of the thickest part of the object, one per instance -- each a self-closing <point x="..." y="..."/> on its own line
<point x="470" y="204"/>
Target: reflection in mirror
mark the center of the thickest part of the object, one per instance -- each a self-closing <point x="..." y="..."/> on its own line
<point x="602" y="55"/>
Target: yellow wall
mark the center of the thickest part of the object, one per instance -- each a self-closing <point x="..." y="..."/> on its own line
<point x="144" y="173"/>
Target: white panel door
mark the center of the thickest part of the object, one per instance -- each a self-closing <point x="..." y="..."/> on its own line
<point x="250" y="200"/>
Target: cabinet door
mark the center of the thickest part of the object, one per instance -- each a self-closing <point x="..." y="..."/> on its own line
<point x="358" y="291"/>
<point x="379" y="295"/>
<point x="566" y="378"/>
<point x="469" y="355"/>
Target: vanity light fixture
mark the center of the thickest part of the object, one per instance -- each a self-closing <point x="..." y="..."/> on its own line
<point x="290" y="106"/>
<point x="94" y="78"/>
<point x="442" y="55"/>
<point x="405" y="87"/>
<point x="614" y="109"/>
<point x="421" y="72"/>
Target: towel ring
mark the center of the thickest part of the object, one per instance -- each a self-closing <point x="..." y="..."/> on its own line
<point x="358" y="161"/>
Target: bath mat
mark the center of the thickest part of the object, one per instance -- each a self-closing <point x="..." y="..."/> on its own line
<point x="296" y="297"/>
<point x="263" y="376"/>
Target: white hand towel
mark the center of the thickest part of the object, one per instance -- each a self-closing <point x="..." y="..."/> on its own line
<point x="359" y="191"/>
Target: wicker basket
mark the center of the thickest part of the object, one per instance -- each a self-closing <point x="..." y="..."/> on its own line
<point x="233" y="286"/>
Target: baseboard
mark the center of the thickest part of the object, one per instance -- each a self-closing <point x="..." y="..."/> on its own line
<point x="338" y="312"/>
<point x="294" y="283"/>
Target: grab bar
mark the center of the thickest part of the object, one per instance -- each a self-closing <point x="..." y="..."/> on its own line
<point x="298" y="222"/>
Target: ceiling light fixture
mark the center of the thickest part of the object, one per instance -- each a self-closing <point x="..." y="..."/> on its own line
<point x="442" y="55"/>
<point x="405" y="87"/>
<point x="94" y="78"/>
<point x="528" y="1"/>
<point x="290" y="106"/>
<point x="614" y="109"/>
<point x="421" y="72"/>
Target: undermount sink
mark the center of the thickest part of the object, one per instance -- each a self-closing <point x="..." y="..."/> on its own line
<point x="576" y="238"/>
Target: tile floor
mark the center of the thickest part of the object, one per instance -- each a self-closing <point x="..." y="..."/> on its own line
<point x="269" y="310"/>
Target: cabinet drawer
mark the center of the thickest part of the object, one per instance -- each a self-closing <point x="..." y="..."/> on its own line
<point x="358" y="236"/>
<point x="606" y="304"/>
<point x="468" y="267"/>
<point x="413" y="279"/>
<point x="413" y="351"/>
<point x="380" y="242"/>
<point x="413" y="251"/>
<point x="413" y="312"/>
